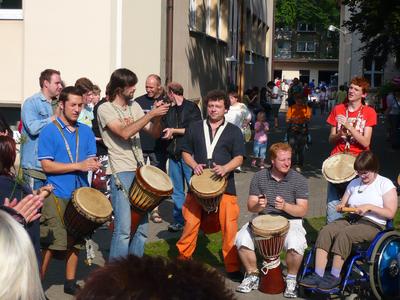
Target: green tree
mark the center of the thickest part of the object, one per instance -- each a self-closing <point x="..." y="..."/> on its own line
<point x="322" y="12"/>
<point x="378" y="22"/>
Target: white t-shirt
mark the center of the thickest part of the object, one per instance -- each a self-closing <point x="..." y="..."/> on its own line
<point x="369" y="194"/>
<point x="276" y="97"/>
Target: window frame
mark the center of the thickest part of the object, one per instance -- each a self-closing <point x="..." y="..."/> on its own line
<point x="11" y="14"/>
<point x="306" y="46"/>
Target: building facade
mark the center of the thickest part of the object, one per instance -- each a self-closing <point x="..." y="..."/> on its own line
<point x="351" y="63"/>
<point x="92" y="38"/>
<point x="308" y="52"/>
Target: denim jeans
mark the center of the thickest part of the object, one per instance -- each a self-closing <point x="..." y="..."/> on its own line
<point x="179" y="172"/>
<point x="333" y="200"/>
<point x="122" y="243"/>
<point x="259" y="149"/>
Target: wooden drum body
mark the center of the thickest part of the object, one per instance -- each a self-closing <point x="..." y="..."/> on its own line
<point x="87" y="210"/>
<point x="208" y="189"/>
<point x="269" y="233"/>
<point x="150" y="187"/>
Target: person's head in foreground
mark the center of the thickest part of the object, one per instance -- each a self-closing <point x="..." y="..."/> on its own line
<point x="19" y="272"/>
<point x="154" y="278"/>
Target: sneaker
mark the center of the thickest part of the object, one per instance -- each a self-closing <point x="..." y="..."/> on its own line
<point x="175" y="227"/>
<point x="329" y="282"/>
<point x="311" y="280"/>
<point x="249" y="283"/>
<point x="291" y="290"/>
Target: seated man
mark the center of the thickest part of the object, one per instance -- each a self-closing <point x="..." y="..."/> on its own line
<point x="276" y="191"/>
<point x="374" y="199"/>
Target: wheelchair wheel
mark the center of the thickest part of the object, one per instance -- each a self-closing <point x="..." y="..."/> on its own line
<point x="384" y="270"/>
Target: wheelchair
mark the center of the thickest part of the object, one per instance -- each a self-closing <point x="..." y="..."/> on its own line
<point x="372" y="270"/>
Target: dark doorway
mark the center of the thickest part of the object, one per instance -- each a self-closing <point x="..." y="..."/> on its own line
<point x="277" y="74"/>
<point x="326" y="76"/>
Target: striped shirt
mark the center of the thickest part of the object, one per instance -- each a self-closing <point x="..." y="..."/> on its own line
<point x="293" y="186"/>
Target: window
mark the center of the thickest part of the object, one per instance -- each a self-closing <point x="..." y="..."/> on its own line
<point x="303" y="46"/>
<point x="11" y="10"/>
<point x="304" y="27"/>
<point x="283" y="49"/>
<point x="373" y="71"/>
<point x="192" y="14"/>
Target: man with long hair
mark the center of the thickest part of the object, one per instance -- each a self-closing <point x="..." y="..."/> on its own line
<point x="120" y="120"/>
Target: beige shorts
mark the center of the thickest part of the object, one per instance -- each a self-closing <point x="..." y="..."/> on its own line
<point x="295" y="238"/>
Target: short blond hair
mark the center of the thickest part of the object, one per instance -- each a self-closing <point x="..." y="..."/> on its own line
<point x="273" y="150"/>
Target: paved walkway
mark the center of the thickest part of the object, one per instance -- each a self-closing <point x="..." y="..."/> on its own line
<point x="390" y="167"/>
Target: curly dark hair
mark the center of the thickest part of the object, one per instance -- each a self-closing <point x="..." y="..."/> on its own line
<point x="216" y="95"/>
<point x="154" y="278"/>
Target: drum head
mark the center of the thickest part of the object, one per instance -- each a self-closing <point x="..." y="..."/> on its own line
<point x="208" y="183"/>
<point x="156" y="178"/>
<point x="93" y="202"/>
<point x="385" y="267"/>
<point x="339" y="168"/>
<point x="269" y="225"/>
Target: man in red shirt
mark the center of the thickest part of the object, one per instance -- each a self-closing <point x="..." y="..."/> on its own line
<point x="352" y="123"/>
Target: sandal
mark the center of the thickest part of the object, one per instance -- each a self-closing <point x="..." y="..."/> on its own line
<point x="155" y="217"/>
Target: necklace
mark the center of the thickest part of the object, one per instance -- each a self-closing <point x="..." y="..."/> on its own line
<point x="360" y="191"/>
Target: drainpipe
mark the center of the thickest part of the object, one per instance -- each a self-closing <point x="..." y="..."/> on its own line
<point x="168" y="54"/>
<point x="242" y="10"/>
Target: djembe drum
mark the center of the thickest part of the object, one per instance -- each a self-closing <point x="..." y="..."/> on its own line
<point x="150" y="187"/>
<point x="208" y="189"/>
<point x="87" y="210"/>
<point x="269" y="233"/>
<point x="339" y="170"/>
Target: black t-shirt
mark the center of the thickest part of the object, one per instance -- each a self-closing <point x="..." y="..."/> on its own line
<point x="149" y="144"/>
<point x="230" y="145"/>
<point x="101" y="148"/>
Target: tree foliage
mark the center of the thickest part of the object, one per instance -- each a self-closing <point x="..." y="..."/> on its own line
<point x="323" y="12"/>
<point x="378" y="22"/>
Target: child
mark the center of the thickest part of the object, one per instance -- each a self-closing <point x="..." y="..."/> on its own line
<point x="260" y="139"/>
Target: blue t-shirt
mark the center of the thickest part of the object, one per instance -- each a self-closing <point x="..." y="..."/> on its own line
<point x="52" y="146"/>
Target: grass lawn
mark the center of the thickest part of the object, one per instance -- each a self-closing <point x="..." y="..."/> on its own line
<point x="209" y="246"/>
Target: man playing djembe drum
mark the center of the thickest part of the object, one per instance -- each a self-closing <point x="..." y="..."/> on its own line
<point x="67" y="151"/>
<point x="276" y="191"/>
<point x="216" y="144"/>
<point x="352" y="123"/>
<point x="120" y="121"/>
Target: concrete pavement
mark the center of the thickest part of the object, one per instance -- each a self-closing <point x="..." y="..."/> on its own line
<point x="390" y="167"/>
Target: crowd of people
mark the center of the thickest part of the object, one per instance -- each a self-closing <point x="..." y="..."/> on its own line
<point x="72" y="139"/>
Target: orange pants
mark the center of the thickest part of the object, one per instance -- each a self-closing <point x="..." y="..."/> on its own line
<point x="195" y="216"/>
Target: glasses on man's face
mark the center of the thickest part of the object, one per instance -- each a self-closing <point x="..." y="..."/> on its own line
<point x="362" y="173"/>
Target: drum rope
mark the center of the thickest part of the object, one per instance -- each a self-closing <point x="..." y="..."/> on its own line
<point x="270" y="265"/>
<point x="90" y="255"/>
<point x="348" y="136"/>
